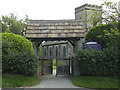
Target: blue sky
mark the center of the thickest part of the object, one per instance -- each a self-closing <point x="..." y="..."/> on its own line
<point x="44" y="9"/>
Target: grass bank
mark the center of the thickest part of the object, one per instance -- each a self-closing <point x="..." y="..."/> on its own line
<point x="95" y="82"/>
<point x="60" y="62"/>
<point x="19" y="80"/>
<point x="54" y="64"/>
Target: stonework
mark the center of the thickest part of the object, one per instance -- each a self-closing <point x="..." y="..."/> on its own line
<point x="56" y="49"/>
<point x="84" y="12"/>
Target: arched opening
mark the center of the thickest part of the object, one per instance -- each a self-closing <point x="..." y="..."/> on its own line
<point x="55" y="30"/>
<point x="57" y="51"/>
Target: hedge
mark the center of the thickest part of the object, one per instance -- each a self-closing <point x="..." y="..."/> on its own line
<point x="20" y="63"/>
<point x="18" y="55"/>
<point x="106" y="34"/>
<point x="15" y="42"/>
<point x="98" y="63"/>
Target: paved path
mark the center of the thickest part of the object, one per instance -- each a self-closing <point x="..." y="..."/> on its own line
<point x="51" y="81"/>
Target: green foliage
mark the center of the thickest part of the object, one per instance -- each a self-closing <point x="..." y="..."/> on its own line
<point x="54" y="67"/>
<point x="20" y="63"/>
<point x="11" y="24"/>
<point x="12" y="42"/>
<point x="54" y="62"/>
<point x="104" y="62"/>
<point x="106" y="34"/>
<point x="61" y="62"/>
<point x="94" y="17"/>
<point x="18" y="55"/>
<point x="108" y="13"/>
<point x="47" y="62"/>
<point x="98" y="63"/>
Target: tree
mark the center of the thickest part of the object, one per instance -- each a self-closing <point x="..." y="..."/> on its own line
<point x="108" y="13"/>
<point x="11" y="24"/>
<point x="94" y="16"/>
<point x="107" y="35"/>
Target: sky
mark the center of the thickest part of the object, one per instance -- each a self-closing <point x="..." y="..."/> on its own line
<point x="44" y="9"/>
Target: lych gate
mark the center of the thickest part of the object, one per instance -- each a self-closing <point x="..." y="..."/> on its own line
<point x="51" y="30"/>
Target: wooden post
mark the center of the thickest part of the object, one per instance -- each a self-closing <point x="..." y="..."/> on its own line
<point x="51" y="66"/>
<point x="72" y="68"/>
<point x="42" y="65"/>
<point x="39" y="67"/>
<point x="56" y="62"/>
<point x="75" y="65"/>
<point x="36" y="44"/>
<point x="69" y="64"/>
<point x="35" y="47"/>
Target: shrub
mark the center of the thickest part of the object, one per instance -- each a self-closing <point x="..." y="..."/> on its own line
<point x="15" y="42"/>
<point x="20" y="63"/>
<point x="17" y="55"/>
<point x="104" y="34"/>
<point x="98" y="63"/>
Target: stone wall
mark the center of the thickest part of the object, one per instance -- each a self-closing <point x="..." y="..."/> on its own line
<point x="84" y="13"/>
<point x="57" y="49"/>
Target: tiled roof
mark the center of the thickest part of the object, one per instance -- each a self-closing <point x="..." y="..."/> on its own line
<point x="54" y="29"/>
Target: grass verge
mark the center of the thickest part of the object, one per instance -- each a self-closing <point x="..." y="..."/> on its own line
<point x="19" y="80"/>
<point x="95" y="82"/>
<point x="54" y="67"/>
<point x="54" y="64"/>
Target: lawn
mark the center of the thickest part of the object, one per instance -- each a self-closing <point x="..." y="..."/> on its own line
<point x="60" y="62"/>
<point x="54" y="67"/>
<point x="95" y="82"/>
<point x="54" y="64"/>
<point x="19" y="80"/>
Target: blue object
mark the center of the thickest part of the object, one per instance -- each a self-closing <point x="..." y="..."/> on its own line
<point x="92" y="45"/>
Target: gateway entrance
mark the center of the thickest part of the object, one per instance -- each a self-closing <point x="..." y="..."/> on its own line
<point x="55" y="30"/>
